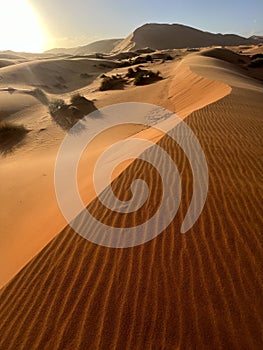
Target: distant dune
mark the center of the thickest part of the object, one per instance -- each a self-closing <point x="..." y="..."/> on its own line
<point x="56" y="75"/>
<point x="104" y="46"/>
<point x="176" y="36"/>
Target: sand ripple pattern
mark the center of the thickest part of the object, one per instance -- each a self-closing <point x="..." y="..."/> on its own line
<point x="201" y="290"/>
<point x="89" y="225"/>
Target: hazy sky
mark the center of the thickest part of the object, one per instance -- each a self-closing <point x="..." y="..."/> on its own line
<point x="66" y="23"/>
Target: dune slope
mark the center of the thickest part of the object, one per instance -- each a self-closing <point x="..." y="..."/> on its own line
<point x="176" y="36"/>
<point x="32" y="195"/>
<point x="197" y="290"/>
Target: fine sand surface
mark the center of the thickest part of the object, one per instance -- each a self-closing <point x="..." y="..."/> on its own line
<point x="198" y="290"/>
<point x="31" y="196"/>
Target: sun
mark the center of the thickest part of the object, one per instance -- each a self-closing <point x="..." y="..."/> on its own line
<point x="20" y="28"/>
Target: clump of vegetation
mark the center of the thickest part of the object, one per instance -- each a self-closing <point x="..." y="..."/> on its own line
<point x="56" y="105"/>
<point x="169" y="58"/>
<point x="131" y="73"/>
<point x="10" y="89"/>
<point x="146" y="77"/>
<point x="257" y="55"/>
<point x="113" y="82"/>
<point x="149" y="58"/>
<point x="67" y="115"/>
<point x="76" y="99"/>
<point x="256" y="63"/>
<point x="84" y="105"/>
<point x="124" y="63"/>
<point x="11" y="136"/>
<point x="139" y="60"/>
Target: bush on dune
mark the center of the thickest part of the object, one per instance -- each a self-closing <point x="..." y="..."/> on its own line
<point x="146" y="77"/>
<point x="131" y="73"/>
<point x="257" y="55"/>
<point x="256" y="63"/>
<point x="67" y="115"/>
<point x="113" y="82"/>
<point x="10" y="136"/>
<point x="82" y="103"/>
<point x="56" y="106"/>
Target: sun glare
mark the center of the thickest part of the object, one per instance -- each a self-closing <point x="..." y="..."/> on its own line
<point x="19" y="27"/>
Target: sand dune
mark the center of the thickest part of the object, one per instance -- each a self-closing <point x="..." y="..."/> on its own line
<point x="177" y="291"/>
<point x="54" y="75"/>
<point x="177" y="36"/>
<point x="103" y="46"/>
<point x="13" y="102"/>
<point x="198" y="290"/>
<point x="39" y="179"/>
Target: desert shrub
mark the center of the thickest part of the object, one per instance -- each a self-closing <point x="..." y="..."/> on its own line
<point x="149" y="58"/>
<point x="10" y="136"/>
<point x="257" y="55"/>
<point x="257" y="63"/>
<point x="56" y="105"/>
<point x="82" y="103"/>
<point x="76" y="98"/>
<point x="146" y="76"/>
<point x="67" y="115"/>
<point x="106" y="84"/>
<point x="124" y="63"/>
<point x="169" y="58"/>
<point x="131" y="73"/>
<point x="139" y="79"/>
<point x="7" y="127"/>
<point x="140" y="60"/>
<point x="10" y="89"/>
<point x="109" y="83"/>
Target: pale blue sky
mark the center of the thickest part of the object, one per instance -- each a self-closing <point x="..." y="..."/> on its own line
<point x="83" y="20"/>
<point x="71" y="23"/>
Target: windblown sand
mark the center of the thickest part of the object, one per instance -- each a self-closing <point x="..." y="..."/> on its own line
<point x="197" y="290"/>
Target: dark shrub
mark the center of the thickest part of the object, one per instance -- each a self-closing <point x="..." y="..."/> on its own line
<point x="258" y="55"/>
<point x="56" y="105"/>
<point x="146" y="77"/>
<point x="257" y="63"/>
<point x="149" y="58"/>
<point x="140" y="60"/>
<point x="131" y="73"/>
<point x="124" y="63"/>
<point x="76" y="99"/>
<point x="10" y="136"/>
<point x="113" y="82"/>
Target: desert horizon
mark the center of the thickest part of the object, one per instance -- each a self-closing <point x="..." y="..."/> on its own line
<point x="131" y="187"/>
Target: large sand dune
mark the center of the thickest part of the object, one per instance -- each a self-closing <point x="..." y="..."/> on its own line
<point x="175" y="36"/>
<point x="198" y="290"/>
<point x="34" y="187"/>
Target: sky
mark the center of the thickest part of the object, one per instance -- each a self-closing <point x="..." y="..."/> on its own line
<point x="37" y="25"/>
